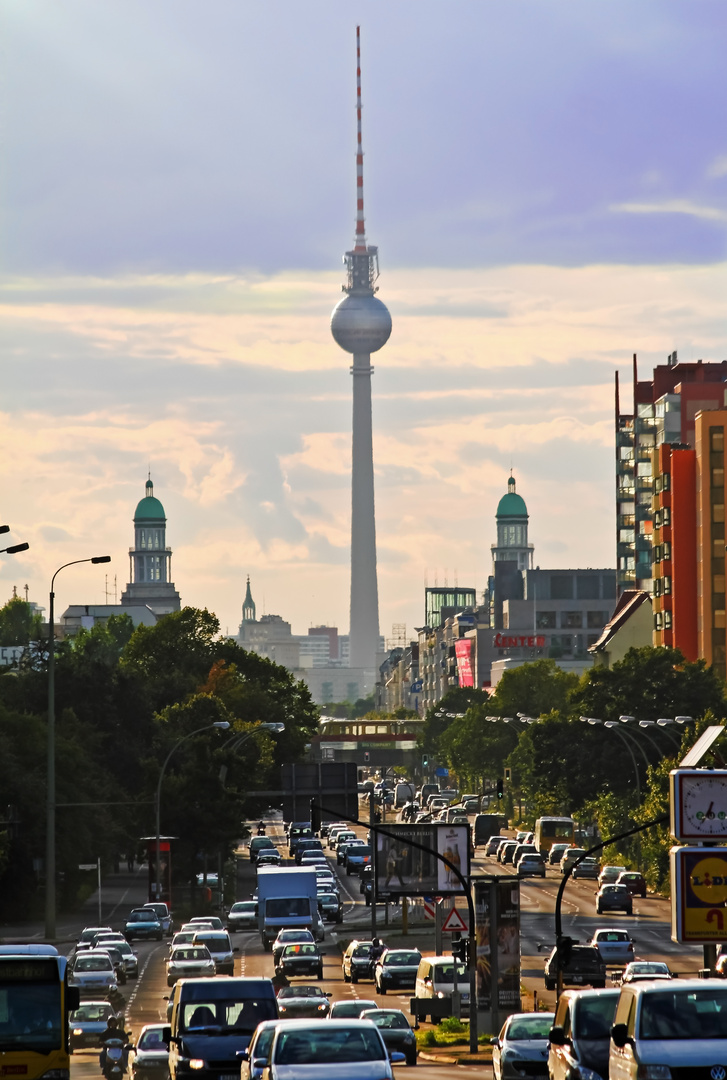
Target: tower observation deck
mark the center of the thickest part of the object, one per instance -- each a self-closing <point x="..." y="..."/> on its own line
<point x="361" y="325"/>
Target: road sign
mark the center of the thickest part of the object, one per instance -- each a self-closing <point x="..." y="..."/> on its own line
<point x="441" y="771"/>
<point x="699" y="894"/>
<point x="430" y="907"/>
<point x="454" y="923"/>
<point x="87" y="866"/>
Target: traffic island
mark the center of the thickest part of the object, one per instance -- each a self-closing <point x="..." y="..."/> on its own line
<point x="448" y="1044"/>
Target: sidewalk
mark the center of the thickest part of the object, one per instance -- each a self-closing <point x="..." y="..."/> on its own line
<point x="119" y="894"/>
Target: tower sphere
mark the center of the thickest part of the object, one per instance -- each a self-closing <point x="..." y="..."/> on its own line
<point x="361" y="324"/>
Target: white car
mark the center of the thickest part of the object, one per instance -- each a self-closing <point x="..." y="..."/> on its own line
<point x="305" y="1050"/>
<point x="189" y="962"/>
<point x="93" y="973"/>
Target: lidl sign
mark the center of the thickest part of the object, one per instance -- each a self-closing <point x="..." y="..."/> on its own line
<point x="699" y="894"/>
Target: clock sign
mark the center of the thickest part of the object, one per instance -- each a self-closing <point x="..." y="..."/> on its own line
<point x="698" y="800"/>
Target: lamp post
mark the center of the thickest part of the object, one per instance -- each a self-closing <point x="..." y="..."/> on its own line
<point x="50" y="838"/>
<point x="222" y="725"/>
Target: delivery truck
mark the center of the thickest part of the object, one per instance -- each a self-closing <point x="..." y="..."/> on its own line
<point x="287" y="900"/>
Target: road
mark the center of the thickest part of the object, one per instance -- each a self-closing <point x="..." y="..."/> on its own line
<point x="649" y="927"/>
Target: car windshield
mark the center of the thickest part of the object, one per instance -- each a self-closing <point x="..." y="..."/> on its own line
<point x="685" y="1014"/>
<point x="612" y="935"/>
<point x="143" y="916"/>
<point x="346" y="1009"/>
<point x="91" y="1013"/>
<point x="213" y="941"/>
<point x="183" y="937"/>
<point x="398" y="959"/>
<point x="648" y="969"/>
<point x="93" y="963"/>
<point x="530" y="1027"/>
<point x="222" y="1015"/>
<point x="294" y="935"/>
<point x="191" y="954"/>
<point x="362" y="950"/>
<point x="594" y="1016"/>
<point x="390" y="1020"/>
<point x="445" y="973"/>
<point x="300" y="992"/>
<point x="299" y="950"/>
<point x="323" y="1045"/>
<point x="151" y="1039"/>
<point x="247" y="906"/>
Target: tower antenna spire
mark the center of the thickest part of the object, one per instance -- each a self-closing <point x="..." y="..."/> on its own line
<point x="360" y="240"/>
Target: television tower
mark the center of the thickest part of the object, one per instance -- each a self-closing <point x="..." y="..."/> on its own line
<point x="361" y="325"/>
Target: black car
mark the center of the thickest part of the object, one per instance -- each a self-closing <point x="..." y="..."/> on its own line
<point x="87" y="1023"/>
<point x="298" y="1002"/>
<point x="584" y="967"/>
<point x="297" y="960"/>
<point x="329" y="905"/>
<point x="614" y="898"/>
<point x="395" y="1030"/>
<point x="290" y="937"/>
<point x="309" y="843"/>
<point x="397" y="970"/>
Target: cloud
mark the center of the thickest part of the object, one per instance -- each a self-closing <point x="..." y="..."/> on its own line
<point x="718" y="167"/>
<point x="672" y="206"/>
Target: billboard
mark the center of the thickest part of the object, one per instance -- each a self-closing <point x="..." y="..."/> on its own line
<point x="463" y="652"/>
<point x="497" y="930"/>
<point x="699" y="895"/>
<point x="404" y="870"/>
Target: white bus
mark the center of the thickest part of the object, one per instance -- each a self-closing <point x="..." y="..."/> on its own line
<point x="553" y="830"/>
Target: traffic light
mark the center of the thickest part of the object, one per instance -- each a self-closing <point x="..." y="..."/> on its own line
<point x="425" y="761"/>
<point x="565" y="951"/>
<point x="508" y="775"/>
<point x="500" y="786"/>
<point x="315" y="818"/>
<point x="461" y="950"/>
<point x="367" y="756"/>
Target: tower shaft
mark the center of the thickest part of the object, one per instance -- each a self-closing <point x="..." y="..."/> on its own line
<point x="364" y="625"/>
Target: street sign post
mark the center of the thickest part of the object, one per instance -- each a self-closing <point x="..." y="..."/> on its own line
<point x="454" y="923"/>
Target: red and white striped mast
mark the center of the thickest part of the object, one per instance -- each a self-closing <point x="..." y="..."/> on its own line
<point x="360" y="239"/>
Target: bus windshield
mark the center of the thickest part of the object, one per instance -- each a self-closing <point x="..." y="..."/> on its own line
<point x="30" y="1016"/>
<point x="553" y="830"/>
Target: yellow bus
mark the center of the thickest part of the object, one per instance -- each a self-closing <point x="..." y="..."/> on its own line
<point x="553" y="830"/>
<point x="34" y="1005"/>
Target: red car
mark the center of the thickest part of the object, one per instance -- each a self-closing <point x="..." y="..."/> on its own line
<point x="634" y="882"/>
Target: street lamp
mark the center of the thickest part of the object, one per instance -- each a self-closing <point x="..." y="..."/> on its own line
<point x="14" y="549"/>
<point x="50" y="838"/>
<point x="223" y="725"/>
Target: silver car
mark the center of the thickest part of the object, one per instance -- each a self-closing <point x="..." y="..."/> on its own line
<point x="93" y="974"/>
<point x="308" y="1050"/>
<point x="521" y="1048"/>
<point x="189" y="962"/>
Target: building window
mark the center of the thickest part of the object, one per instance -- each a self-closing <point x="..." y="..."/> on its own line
<point x="716" y="439"/>
<point x="667" y="586"/>
<point x="718" y="583"/>
<point x="667" y="620"/>
<point x="561" y="587"/>
<point x="719" y="619"/>
<point x="643" y="468"/>
<point x="718" y="549"/>
<point x="656" y="586"/>
<point x="657" y="621"/>
<point x="587" y="584"/>
<point x="571" y="620"/>
<point x="666" y="550"/>
<point x="666" y="517"/>
<point x="717" y="477"/>
<point x="596" y="619"/>
<point x="545" y="620"/>
<point x="592" y="639"/>
<point x="327" y="692"/>
<point x="656" y="553"/>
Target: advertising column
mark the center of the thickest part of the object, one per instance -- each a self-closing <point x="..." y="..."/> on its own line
<point x="497" y="924"/>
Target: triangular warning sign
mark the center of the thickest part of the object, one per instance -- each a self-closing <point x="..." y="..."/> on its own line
<point x="454" y="922"/>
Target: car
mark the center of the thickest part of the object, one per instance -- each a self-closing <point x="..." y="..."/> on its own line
<point x="579" y="1037"/>
<point x="396" y="969"/>
<point x="354" y="1048"/>
<point x="183" y="937"/>
<point x="205" y="922"/>
<point x="350" y="1010"/>
<point x="165" y="916"/>
<point x="313" y="858"/>
<point x="493" y="844"/>
<point x="522" y="1046"/>
<point x="610" y="874"/>
<point x="242" y="916"/>
<point x="307" y="845"/>
<point x="329" y="905"/>
<point x="88" y="934"/>
<point x="523" y="849"/>
<point x="615" y="946"/>
<point x="119" y="942"/>
<point x="300" y="959"/>
<point x="268" y="857"/>
<point x="614" y="898"/>
<point x="356" y="962"/>
<point x="645" y="969"/>
<point x="87" y="1023"/>
<point x="341" y="838"/>
<point x="189" y="961"/>
<point x="584" y="967"/>
<point x="395" y="1031"/>
<point x="506" y="851"/>
<point x="520" y="836"/>
<point x="365" y="875"/>
<point x="220" y="947"/>
<point x="589" y="868"/>
<point x="634" y="882"/>
<point x="151" y="1054"/>
<point x="569" y="857"/>
<point x="254" y="1059"/>
<point x="295" y="1002"/>
<point x="258" y="844"/>
<point x="144" y="924"/>
<point x="556" y="853"/>
<point x="531" y="866"/>
<point x="290" y="937"/>
<point x="344" y="845"/>
<point x="116" y="959"/>
<point x="210" y="880"/>
<point x="92" y="974"/>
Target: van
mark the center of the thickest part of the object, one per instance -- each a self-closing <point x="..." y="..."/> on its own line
<point x="670" y="1029"/>
<point x="579" y="1038"/>
<point x="435" y="985"/>
<point x="212" y="1021"/>
<point x="403" y="793"/>
<point x="487" y="826"/>
<point x="427" y="790"/>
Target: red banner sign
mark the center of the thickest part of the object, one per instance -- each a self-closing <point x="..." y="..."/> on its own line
<point x="463" y="652"/>
<point x="519" y="641"/>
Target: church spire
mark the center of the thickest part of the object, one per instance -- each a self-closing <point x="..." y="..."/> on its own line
<point x="248" y="605"/>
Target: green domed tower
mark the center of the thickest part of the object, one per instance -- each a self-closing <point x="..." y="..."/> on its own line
<point x="150" y="560"/>
<point x="512" y="530"/>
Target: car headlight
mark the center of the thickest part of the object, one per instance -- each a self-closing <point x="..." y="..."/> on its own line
<point x="322" y="1008"/>
<point x="440" y="994"/>
<point x="282" y="1008"/>
<point x="196" y="1063"/>
<point x="78" y="1031"/>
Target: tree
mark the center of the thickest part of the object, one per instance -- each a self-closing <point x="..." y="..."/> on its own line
<point x="18" y="624"/>
<point x="440" y="716"/>
<point x="535" y="689"/>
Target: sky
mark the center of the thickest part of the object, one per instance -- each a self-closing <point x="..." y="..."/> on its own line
<point x="547" y="185"/>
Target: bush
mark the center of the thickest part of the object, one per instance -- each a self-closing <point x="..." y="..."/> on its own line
<point x="452" y="1026"/>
